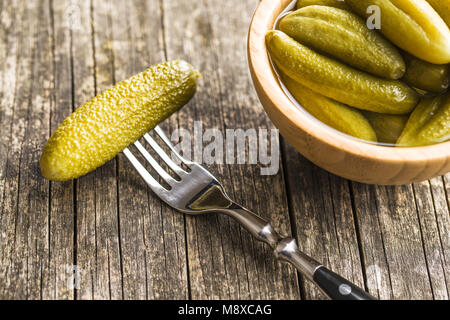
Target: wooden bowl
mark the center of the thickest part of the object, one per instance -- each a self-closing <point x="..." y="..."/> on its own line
<point x="335" y="152"/>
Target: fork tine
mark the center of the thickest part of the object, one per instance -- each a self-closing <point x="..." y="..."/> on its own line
<point x="154" y="164"/>
<point x="167" y="141"/>
<point x="154" y="185"/>
<point x="164" y="155"/>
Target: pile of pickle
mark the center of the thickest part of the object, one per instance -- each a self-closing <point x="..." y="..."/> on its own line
<point x="387" y="85"/>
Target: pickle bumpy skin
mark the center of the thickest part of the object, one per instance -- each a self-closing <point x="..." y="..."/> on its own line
<point x="388" y="127"/>
<point x="338" y="81"/>
<point x="114" y="119"/>
<point x="345" y="36"/>
<point x="329" y="3"/>
<point x="330" y="112"/>
<point x="412" y="25"/>
<point x="426" y="76"/>
<point x="428" y="124"/>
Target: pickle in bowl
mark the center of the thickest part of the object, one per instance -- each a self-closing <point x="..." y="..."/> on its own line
<point x="338" y="81"/>
<point x="329" y="3"/>
<point x="428" y="124"/>
<point x="389" y="87"/>
<point x="412" y="25"/>
<point x="442" y="7"/>
<point x="344" y="36"/>
<point x="334" y="114"/>
<point x="388" y="127"/>
<point x="426" y="76"/>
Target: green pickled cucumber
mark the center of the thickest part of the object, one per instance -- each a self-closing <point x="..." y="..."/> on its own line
<point x="334" y="114"/>
<point x="345" y="36"/>
<point x="329" y="3"/>
<point x="114" y="119"/>
<point x="388" y="127"/>
<point x="426" y="76"/>
<point x="338" y="81"/>
<point x="428" y="124"/>
<point x="443" y="8"/>
<point x="412" y="25"/>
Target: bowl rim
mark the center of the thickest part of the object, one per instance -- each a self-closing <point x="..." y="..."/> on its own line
<point x="262" y="71"/>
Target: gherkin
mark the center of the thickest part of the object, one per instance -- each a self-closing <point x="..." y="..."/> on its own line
<point x="338" y="81"/>
<point x="428" y="124"/>
<point x="388" y="127"/>
<point x="426" y="76"/>
<point x="114" y="119"/>
<point x="443" y="8"/>
<point x="412" y="25"/>
<point x="329" y="3"/>
<point x="344" y="36"/>
<point x="332" y="113"/>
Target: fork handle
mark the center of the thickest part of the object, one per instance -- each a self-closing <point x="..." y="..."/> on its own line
<point x="286" y="249"/>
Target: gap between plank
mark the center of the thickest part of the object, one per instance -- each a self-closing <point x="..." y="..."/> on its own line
<point x="74" y="182"/>
<point x="358" y="235"/>
<point x="300" y="278"/>
<point x="422" y="239"/>
<point x="52" y="26"/>
<point x="439" y="233"/>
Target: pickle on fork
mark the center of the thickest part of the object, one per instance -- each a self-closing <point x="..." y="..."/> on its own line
<point x="114" y="119"/>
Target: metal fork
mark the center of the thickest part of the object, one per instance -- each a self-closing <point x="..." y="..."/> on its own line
<point x="198" y="192"/>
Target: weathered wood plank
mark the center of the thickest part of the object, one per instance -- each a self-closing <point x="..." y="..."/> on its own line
<point x="165" y="228"/>
<point x="436" y="234"/>
<point x="58" y="283"/>
<point x="10" y="34"/>
<point x="446" y="180"/>
<point x="431" y="237"/>
<point x="241" y="109"/>
<point x="224" y="261"/>
<point x="322" y="210"/>
<point x="98" y="248"/>
<point x="135" y="246"/>
<point x="152" y="235"/>
<point x="391" y="242"/>
<point x="371" y="241"/>
<point x="26" y="191"/>
<point x="9" y="59"/>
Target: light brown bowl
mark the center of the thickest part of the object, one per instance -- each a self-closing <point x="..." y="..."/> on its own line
<point x="335" y="152"/>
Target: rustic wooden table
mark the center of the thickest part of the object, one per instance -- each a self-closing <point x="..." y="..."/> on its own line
<point x="125" y="243"/>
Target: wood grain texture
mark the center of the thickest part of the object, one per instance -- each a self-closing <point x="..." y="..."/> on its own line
<point x="98" y="243"/>
<point x="402" y="243"/>
<point x="25" y="208"/>
<point x="152" y="234"/>
<point x="401" y="240"/>
<point x="322" y="209"/>
<point x="9" y="33"/>
<point x="62" y="208"/>
<point x="223" y="266"/>
<point x="127" y="244"/>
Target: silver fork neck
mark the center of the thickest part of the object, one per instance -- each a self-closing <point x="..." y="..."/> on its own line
<point x="285" y="248"/>
<point x="213" y="198"/>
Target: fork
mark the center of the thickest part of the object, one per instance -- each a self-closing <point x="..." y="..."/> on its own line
<point x="198" y="192"/>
